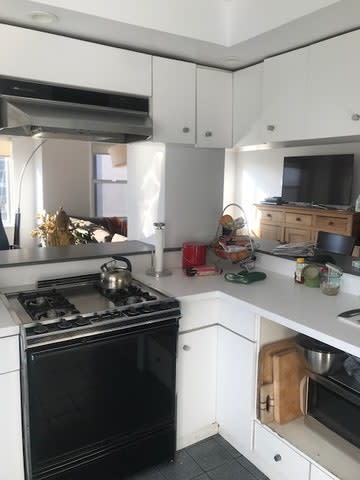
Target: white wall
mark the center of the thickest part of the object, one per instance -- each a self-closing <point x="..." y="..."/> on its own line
<point x="180" y="185"/>
<point x="194" y="193"/>
<point x="146" y="189"/>
<point x="67" y="176"/>
<point x="258" y="174"/>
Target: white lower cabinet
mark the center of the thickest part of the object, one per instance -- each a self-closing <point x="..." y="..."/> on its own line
<point x="236" y="360"/>
<point x="317" y="474"/>
<point x="276" y="459"/>
<point x="11" y="453"/>
<point x="196" y="385"/>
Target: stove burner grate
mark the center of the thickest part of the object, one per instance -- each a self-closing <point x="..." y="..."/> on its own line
<point x="46" y="305"/>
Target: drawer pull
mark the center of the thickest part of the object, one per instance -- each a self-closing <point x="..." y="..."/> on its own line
<point x="186" y="130"/>
<point x="277" y="457"/>
<point x="298" y="219"/>
<point x="355" y="117"/>
<point x="186" y="348"/>
<point x="208" y="134"/>
<point x="269" y="215"/>
<point x="270" y="128"/>
<point x="331" y="223"/>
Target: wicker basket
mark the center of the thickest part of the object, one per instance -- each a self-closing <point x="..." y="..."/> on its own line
<point x="232" y="237"/>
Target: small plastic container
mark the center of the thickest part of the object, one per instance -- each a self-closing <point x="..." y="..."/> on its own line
<point x="298" y="275"/>
<point x="330" y="279"/>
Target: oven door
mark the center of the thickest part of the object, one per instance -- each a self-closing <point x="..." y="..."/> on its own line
<point x="335" y="406"/>
<point x="91" y="397"/>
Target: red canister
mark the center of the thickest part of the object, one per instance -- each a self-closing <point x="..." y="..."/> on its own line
<point x="193" y="254"/>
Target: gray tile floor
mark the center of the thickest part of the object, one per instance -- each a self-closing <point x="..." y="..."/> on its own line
<point x="213" y="459"/>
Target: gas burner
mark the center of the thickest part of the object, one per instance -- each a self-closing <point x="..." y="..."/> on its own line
<point x="133" y="299"/>
<point x="36" y="302"/>
<point x="46" y="305"/>
<point x="40" y="328"/>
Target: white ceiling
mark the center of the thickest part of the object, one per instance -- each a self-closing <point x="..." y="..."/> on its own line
<point x="224" y="33"/>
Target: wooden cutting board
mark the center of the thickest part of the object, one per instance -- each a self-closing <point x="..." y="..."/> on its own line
<point x="265" y="378"/>
<point x="287" y="375"/>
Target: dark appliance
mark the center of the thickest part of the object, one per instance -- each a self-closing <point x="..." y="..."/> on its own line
<point x="334" y="400"/>
<point x="98" y="378"/>
<point x="318" y="179"/>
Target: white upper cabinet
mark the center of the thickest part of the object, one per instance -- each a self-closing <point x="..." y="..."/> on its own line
<point x="334" y="108"/>
<point x="214" y="108"/>
<point x="285" y="94"/>
<point x="317" y="474"/>
<point x="247" y="127"/>
<point x="174" y="85"/>
<point x="44" y="57"/>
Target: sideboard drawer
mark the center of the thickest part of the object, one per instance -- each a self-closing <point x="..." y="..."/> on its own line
<point x="271" y="216"/>
<point x="332" y="224"/>
<point x="298" y="219"/>
<point x="9" y="354"/>
<point x="276" y="459"/>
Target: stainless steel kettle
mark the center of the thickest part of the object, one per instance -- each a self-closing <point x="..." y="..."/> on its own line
<point x="114" y="277"/>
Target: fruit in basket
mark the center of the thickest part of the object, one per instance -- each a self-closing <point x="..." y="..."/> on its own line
<point x="227" y="222"/>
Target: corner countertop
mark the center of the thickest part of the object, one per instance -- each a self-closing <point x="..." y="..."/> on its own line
<point x="34" y="256"/>
<point x="277" y="298"/>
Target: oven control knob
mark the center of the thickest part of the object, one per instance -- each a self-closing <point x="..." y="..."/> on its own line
<point x="131" y="312"/>
<point x="82" y="321"/>
<point x="277" y="457"/>
<point x="38" y="329"/>
<point x="63" y="324"/>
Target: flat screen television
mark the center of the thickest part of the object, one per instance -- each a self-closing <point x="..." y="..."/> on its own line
<point x="318" y="179"/>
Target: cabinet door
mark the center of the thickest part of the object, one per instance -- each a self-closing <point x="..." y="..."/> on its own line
<point x="235" y="389"/>
<point x="196" y="386"/>
<point x="11" y="457"/>
<point x="173" y="101"/>
<point x="248" y="106"/>
<point x="334" y="87"/>
<point x="214" y="108"/>
<point x="285" y="96"/>
<point x="317" y="474"/>
<point x="270" y="232"/>
<point x="295" y="235"/>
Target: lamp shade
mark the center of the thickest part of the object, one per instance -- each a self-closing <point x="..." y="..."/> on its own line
<point x="118" y="154"/>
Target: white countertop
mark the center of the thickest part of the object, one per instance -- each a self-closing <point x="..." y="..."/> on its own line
<point x="277" y="298"/>
<point x="8" y="325"/>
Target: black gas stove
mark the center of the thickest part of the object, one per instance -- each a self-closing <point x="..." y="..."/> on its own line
<point x="67" y="308"/>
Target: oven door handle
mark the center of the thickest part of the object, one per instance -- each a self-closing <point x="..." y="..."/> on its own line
<point x="334" y="387"/>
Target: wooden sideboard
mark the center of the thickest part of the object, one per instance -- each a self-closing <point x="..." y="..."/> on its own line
<point x="300" y="224"/>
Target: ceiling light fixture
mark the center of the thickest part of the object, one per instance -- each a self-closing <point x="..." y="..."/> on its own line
<point x="43" y="18"/>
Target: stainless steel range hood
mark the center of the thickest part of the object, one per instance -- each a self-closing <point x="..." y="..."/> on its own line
<point x="44" y="111"/>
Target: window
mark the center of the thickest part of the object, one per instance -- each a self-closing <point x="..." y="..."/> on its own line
<point x="110" y="188"/>
<point x="5" y="190"/>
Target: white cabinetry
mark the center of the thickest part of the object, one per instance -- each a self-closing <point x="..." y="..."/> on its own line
<point x="235" y="389"/>
<point x="44" y="57"/>
<point x="276" y="459"/>
<point x="214" y="108"/>
<point x="317" y="474"/>
<point x="196" y="386"/>
<point x="173" y="101"/>
<point x="285" y="94"/>
<point x="11" y="449"/>
<point x="247" y="109"/>
<point x="334" y="108"/>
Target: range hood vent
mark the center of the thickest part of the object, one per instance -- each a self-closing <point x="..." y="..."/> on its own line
<point x="45" y="111"/>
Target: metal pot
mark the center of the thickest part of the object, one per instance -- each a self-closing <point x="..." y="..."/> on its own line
<point x="319" y="357"/>
<point x="114" y="277"/>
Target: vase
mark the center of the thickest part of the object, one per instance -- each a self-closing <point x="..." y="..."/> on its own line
<point x="4" y="242"/>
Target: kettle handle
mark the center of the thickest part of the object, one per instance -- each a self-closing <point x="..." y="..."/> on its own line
<point x="104" y="267"/>
<point x="123" y="259"/>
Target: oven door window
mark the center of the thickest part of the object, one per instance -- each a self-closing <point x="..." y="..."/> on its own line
<point x="100" y="393"/>
<point x="334" y="411"/>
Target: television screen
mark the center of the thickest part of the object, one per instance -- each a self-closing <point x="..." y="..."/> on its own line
<point x="318" y="179"/>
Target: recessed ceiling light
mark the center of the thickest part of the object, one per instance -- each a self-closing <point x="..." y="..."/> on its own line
<point x="43" y="18"/>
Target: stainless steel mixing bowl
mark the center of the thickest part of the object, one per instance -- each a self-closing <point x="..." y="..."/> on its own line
<point x="322" y="362"/>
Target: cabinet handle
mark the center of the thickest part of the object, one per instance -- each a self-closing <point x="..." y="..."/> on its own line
<point x="331" y="223"/>
<point x="186" y="130"/>
<point x="298" y="219"/>
<point x="269" y="215"/>
<point x="355" y="117"/>
<point x="270" y="128"/>
<point x="277" y="457"/>
<point x="186" y="348"/>
<point x="208" y="133"/>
